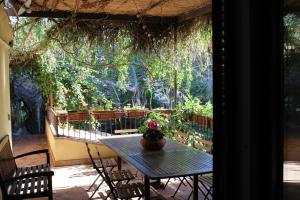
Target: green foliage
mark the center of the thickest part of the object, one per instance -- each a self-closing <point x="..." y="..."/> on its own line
<point x="192" y="105"/>
<point x="291" y="62"/>
<point x="172" y="124"/>
<point x="161" y="119"/>
<point x="292" y="31"/>
<point x="207" y="109"/>
<point x="291" y="40"/>
<point x="84" y="73"/>
<point x="103" y="104"/>
<point x="129" y="107"/>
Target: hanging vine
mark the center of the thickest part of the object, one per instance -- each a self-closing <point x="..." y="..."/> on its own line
<point x="84" y="62"/>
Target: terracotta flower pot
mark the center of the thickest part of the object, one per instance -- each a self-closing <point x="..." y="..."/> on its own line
<point x="104" y="114"/>
<point x="78" y="116"/>
<point x="153" y="145"/>
<point x="135" y="114"/>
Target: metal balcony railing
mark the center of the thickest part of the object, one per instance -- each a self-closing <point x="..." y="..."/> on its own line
<point x="92" y="125"/>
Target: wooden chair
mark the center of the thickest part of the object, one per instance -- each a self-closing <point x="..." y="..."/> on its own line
<point x="182" y="138"/>
<point x="120" y="190"/>
<point x="204" y="145"/>
<point x="23" y="182"/>
<point x="115" y="176"/>
<point x="207" y="182"/>
<point x="109" y="162"/>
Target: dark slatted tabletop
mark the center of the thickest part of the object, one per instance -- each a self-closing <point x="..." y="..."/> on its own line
<point x="172" y="161"/>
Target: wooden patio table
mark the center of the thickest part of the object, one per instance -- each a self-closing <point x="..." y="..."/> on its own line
<point x="174" y="160"/>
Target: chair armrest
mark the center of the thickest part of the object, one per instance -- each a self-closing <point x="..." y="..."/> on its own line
<point x="38" y="174"/>
<point x="35" y="152"/>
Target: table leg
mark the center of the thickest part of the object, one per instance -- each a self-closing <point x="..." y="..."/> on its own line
<point x="147" y="187"/>
<point x="119" y="163"/>
<point x="195" y="187"/>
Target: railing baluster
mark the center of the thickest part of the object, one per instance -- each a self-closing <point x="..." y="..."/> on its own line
<point x="74" y="128"/>
<point x="105" y="128"/>
<point x="110" y="127"/>
<point x="63" y="129"/>
<point x="105" y="122"/>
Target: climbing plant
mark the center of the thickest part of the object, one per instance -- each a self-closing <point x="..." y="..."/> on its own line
<point x="108" y="68"/>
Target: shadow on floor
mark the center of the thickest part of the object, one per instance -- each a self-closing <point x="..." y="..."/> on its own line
<point x="71" y="182"/>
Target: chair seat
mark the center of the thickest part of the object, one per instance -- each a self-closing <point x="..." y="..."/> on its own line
<point x="28" y="187"/>
<point x="132" y="190"/>
<point x="207" y="183"/>
<point x="206" y="180"/>
<point x="108" y="162"/>
<point x="120" y="175"/>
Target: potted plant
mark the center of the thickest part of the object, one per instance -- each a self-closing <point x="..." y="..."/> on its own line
<point x="79" y="116"/>
<point x="135" y="112"/>
<point x="153" y="138"/>
<point x="104" y="114"/>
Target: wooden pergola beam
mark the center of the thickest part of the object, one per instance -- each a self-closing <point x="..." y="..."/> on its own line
<point x="153" y="6"/>
<point x="195" y="13"/>
<point x="50" y="13"/>
<point x="107" y="17"/>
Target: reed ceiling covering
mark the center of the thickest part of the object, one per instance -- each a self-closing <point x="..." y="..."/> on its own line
<point x="147" y="24"/>
<point x="146" y="8"/>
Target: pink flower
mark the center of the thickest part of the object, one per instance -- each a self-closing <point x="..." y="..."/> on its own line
<point x="153" y="124"/>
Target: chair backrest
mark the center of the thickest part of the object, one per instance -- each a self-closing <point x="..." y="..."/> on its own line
<point x="102" y="173"/>
<point x="90" y="156"/>
<point x="7" y="162"/>
<point x="107" y="178"/>
<point x="182" y="138"/>
<point x="204" y="145"/>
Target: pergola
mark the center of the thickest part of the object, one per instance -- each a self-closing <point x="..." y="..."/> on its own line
<point x="153" y="11"/>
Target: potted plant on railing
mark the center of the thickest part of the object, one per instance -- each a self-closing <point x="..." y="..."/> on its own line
<point x="153" y="139"/>
<point x="81" y="114"/>
<point x="135" y="112"/>
<point x="103" y="110"/>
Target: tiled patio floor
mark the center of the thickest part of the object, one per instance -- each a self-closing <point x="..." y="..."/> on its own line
<point x="71" y="182"/>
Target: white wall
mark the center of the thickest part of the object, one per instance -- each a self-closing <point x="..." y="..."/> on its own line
<point x="5" y="121"/>
<point x="5" y="38"/>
